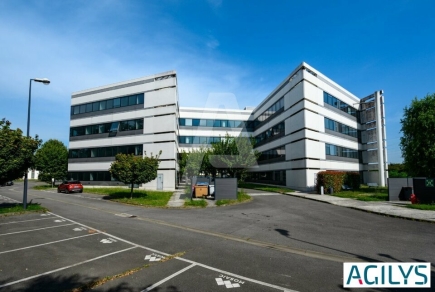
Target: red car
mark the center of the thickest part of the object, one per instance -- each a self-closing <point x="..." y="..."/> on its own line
<point x="70" y="187"/>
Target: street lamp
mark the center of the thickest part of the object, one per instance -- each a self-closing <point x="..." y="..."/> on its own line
<point x="46" y="82"/>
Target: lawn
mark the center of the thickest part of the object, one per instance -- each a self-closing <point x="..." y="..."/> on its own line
<point x="140" y="197"/>
<point x="241" y="197"/>
<point x="266" y="188"/>
<point x="365" y="194"/>
<point x="18" y="208"/>
<point x="428" y="207"/>
<point x="195" y="203"/>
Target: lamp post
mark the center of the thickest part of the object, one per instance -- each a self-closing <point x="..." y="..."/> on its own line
<point x="46" y="82"/>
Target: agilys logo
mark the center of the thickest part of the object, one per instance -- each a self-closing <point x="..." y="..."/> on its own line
<point x="386" y="275"/>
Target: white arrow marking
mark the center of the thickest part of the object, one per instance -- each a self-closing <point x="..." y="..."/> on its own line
<point x="153" y="257"/>
<point x="59" y="220"/>
<point x="108" y="240"/>
<point x="79" y="229"/>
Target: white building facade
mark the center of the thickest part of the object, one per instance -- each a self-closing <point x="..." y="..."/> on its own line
<point x="307" y="124"/>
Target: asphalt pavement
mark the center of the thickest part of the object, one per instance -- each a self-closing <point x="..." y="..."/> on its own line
<point x="273" y="243"/>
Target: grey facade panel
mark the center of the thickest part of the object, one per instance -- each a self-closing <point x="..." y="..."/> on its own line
<point x="339" y="158"/>
<point x="334" y="109"/>
<point x="338" y="134"/>
<point x="90" y="159"/>
<point x="113" y="88"/>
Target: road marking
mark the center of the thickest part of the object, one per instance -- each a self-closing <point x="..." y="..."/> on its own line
<point x="167" y="278"/>
<point x="125" y="215"/>
<point x="228" y="284"/>
<point x="79" y="228"/>
<point x="24" y="221"/>
<point x="12" y="250"/>
<point x="63" y="268"/>
<point x="59" y="220"/>
<point x="30" y="230"/>
<point x="108" y="240"/>
<point x="153" y="257"/>
<point x="45" y="214"/>
<point x="183" y="259"/>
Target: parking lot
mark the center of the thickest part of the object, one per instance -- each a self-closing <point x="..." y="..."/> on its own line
<point x="47" y="252"/>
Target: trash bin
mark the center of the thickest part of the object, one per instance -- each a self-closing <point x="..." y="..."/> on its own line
<point x="211" y="190"/>
<point x="201" y="191"/>
<point x="405" y="194"/>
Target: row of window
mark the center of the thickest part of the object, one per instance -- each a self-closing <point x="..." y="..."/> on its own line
<point x="335" y="102"/>
<point x="341" y="151"/>
<point x="91" y="176"/>
<point x="269" y="112"/>
<point x="107" y="127"/>
<point x="275" y="177"/>
<point x="270" y="133"/>
<point x="107" y="104"/>
<point x="105" y="151"/>
<point x="272" y="154"/>
<point x="211" y="123"/>
<point x="341" y="128"/>
<point x="198" y="140"/>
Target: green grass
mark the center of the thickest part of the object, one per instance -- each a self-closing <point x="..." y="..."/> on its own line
<point x="266" y="188"/>
<point x="18" y="208"/>
<point x="44" y="187"/>
<point x="241" y="197"/>
<point x="195" y="203"/>
<point x="140" y="197"/>
<point x="428" y="207"/>
<point x="365" y="194"/>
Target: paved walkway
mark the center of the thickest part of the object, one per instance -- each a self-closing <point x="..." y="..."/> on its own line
<point x="389" y="208"/>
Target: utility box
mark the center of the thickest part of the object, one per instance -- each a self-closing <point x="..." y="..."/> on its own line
<point x="225" y="188"/>
<point x="201" y="191"/>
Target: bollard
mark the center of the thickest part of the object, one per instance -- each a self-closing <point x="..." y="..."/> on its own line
<point x="321" y="190"/>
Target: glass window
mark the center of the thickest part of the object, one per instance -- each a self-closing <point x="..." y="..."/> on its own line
<point x="203" y="123"/>
<point x="231" y="124"/>
<point x="114" y="127"/>
<point x="224" y="124"/>
<point x="102" y="105"/>
<point x="95" y="106"/>
<point x="182" y="122"/>
<point x="75" y="110"/>
<point x="195" y="140"/>
<point x="82" y="108"/>
<point x="140" y="99"/>
<point x="132" y="125"/>
<point x="188" y="140"/>
<point x="123" y="126"/>
<point x="124" y="101"/>
<point x="132" y="100"/>
<point x="89" y="107"/>
<point x="109" y="104"/>
<point x="116" y="102"/>
<point x="216" y="123"/>
<point x="188" y="122"/>
<point x="209" y="123"/>
<point x="195" y="122"/>
<point x="140" y="124"/>
<point x="88" y="130"/>
<point x="93" y="152"/>
<point x="101" y="129"/>
<point x="203" y="140"/>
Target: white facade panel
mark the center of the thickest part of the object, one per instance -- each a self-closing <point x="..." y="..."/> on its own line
<point x="160" y="97"/>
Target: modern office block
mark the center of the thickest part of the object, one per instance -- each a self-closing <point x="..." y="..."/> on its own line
<point x="307" y="124"/>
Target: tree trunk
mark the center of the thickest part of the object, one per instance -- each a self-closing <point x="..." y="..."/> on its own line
<point x="131" y="192"/>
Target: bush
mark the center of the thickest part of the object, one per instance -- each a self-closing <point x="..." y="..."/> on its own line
<point x="336" y="179"/>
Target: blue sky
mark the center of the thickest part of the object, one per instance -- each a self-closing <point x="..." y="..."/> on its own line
<point x="241" y="47"/>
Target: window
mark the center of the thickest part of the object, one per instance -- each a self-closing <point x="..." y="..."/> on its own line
<point x="89" y="107"/>
<point x="95" y="106"/>
<point x="124" y="101"/>
<point x="116" y="102"/>
<point x="132" y="100"/>
<point x="188" y="122"/>
<point x="102" y="105"/>
<point x="82" y="108"/>
<point x="109" y="104"/>
<point x="114" y="127"/>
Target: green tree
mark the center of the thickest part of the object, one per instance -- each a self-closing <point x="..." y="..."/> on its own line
<point x="16" y="152"/>
<point x="131" y="169"/>
<point x="52" y="161"/>
<point x="418" y="140"/>
<point x="234" y="155"/>
<point x="397" y="170"/>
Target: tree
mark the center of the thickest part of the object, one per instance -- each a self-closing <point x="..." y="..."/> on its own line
<point x="234" y="155"/>
<point x="396" y="170"/>
<point x="418" y="140"/>
<point x="131" y="169"/>
<point x="16" y="152"/>
<point x="52" y="161"/>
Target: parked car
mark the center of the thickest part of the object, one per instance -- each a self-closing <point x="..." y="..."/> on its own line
<point x="8" y="183"/>
<point x="70" y="186"/>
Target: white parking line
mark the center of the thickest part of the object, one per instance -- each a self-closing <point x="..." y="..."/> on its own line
<point x="30" y="230"/>
<point x="167" y="278"/>
<point x="182" y="259"/>
<point x="25" y="221"/>
<point x="63" y="268"/>
<point x="32" y="246"/>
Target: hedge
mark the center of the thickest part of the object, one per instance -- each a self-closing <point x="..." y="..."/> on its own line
<point x="336" y="179"/>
